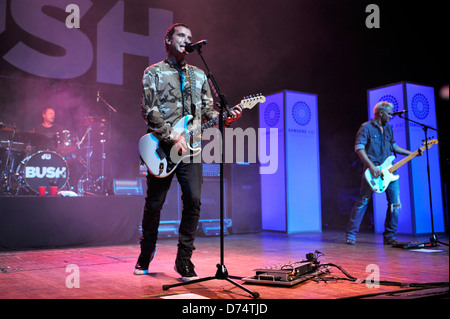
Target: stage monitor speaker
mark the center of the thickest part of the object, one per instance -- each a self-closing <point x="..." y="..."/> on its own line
<point x="245" y="198"/>
<point x="127" y="187"/>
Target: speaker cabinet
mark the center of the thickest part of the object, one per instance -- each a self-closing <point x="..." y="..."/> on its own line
<point x="210" y="208"/>
<point x="246" y="198"/>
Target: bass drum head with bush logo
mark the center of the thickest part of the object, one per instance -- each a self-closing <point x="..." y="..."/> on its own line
<point x="44" y="168"/>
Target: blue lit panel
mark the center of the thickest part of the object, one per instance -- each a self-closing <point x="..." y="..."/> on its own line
<point x="421" y="108"/>
<point x="302" y="162"/>
<point x="273" y="187"/>
<point x="290" y="198"/>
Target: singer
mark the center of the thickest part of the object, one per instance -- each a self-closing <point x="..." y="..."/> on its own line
<point x="171" y="90"/>
<point x="374" y="144"/>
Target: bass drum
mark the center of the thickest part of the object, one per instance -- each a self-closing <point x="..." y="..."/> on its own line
<point x="44" y="168"/>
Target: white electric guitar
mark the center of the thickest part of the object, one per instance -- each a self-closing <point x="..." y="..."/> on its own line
<point x="380" y="183"/>
<point x="156" y="154"/>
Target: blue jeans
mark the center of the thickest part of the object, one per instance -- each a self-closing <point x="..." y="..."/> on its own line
<point x="360" y="206"/>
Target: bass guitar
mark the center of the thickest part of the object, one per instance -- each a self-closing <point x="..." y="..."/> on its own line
<point x="380" y="183"/>
<point x="156" y="153"/>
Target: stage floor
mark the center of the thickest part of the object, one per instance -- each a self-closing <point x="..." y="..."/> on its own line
<point x="107" y="272"/>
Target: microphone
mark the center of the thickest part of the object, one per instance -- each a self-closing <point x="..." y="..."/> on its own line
<point x="190" y="47"/>
<point x="98" y="96"/>
<point x="399" y="112"/>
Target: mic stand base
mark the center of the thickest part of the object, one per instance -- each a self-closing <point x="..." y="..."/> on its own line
<point x="221" y="274"/>
<point x="435" y="242"/>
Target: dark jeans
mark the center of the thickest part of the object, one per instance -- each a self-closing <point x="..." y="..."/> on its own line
<point x="190" y="178"/>
<point x="360" y="206"/>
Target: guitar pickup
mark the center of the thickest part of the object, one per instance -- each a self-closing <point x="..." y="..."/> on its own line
<point x="160" y="153"/>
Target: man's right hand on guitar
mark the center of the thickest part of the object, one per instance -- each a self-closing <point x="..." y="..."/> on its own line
<point x="180" y="144"/>
<point x="375" y="171"/>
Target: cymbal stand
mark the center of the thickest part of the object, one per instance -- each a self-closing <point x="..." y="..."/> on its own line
<point x="5" y="183"/>
<point x="86" y="183"/>
<point x="102" y="177"/>
<point x="111" y="110"/>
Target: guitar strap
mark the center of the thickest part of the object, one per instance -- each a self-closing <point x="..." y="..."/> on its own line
<point x="193" y="87"/>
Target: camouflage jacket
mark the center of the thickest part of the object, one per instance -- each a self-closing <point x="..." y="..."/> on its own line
<point x="167" y="97"/>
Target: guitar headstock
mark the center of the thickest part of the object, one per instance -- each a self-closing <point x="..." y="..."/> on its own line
<point x="250" y="101"/>
<point x="429" y="143"/>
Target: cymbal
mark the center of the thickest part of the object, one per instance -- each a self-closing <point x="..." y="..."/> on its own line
<point x="6" y="127"/>
<point x="92" y="121"/>
<point x="30" y="137"/>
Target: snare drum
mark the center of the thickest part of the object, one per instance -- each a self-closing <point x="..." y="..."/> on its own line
<point x="65" y="143"/>
<point x="44" y="168"/>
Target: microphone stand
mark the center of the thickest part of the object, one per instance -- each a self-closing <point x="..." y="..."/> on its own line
<point x="433" y="238"/>
<point x="222" y="273"/>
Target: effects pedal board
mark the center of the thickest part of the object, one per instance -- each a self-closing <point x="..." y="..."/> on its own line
<point x="286" y="275"/>
<point x="415" y="245"/>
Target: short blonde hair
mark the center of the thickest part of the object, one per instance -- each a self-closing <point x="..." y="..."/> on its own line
<point x="382" y="106"/>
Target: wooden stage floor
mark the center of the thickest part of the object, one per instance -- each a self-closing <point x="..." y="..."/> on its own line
<point x="107" y="272"/>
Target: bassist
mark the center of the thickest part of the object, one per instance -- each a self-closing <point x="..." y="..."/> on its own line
<point x="374" y="144"/>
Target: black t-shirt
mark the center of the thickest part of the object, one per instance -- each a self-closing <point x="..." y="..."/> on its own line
<point x="50" y="134"/>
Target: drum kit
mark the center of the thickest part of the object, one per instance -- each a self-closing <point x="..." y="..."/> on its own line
<point x="30" y="161"/>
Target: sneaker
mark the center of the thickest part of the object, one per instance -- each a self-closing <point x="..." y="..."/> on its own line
<point x="350" y="242"/>
<point x="143" y="262"/>
<point x="391" y="241"/>
<point x="186" y="269"/>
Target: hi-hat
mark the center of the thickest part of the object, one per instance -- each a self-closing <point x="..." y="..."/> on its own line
<point x="92" y="121"/>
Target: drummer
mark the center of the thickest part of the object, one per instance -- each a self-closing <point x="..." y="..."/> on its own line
<point x="48" y="128"/>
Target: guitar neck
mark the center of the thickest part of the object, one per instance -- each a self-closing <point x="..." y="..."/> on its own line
<point x="403" y="161"/>
<point x="209" y="124"/>
<point x="426" y="145"/>
<point x="246" y="103"/>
